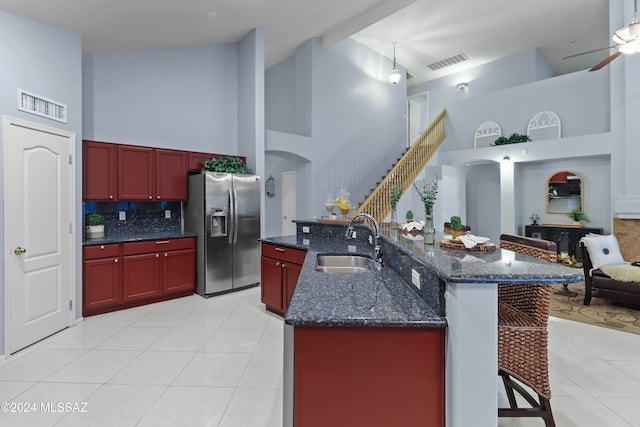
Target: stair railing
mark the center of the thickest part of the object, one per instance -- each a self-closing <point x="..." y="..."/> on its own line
<point x="402" y="175"/>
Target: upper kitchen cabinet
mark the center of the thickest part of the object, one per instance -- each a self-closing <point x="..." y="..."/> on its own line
<point x="99" y="171"/>
<point x="151" y="173"/>
<point x="171" y="175"/>
<point x="136" y="173"/>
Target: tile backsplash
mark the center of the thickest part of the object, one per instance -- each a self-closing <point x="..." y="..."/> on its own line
<point x="140" y="216"/>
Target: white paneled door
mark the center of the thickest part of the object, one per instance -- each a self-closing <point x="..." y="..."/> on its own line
<point x="39" y="237"/>
<point x="288" y="203"/>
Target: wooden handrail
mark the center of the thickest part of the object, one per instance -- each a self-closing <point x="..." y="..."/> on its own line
<point x="378" y="203"/>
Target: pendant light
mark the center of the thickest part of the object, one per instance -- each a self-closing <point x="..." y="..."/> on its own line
<point x="395" y="75"/>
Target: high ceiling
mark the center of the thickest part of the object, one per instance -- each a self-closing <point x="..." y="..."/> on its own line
<point x="426" y="31"/>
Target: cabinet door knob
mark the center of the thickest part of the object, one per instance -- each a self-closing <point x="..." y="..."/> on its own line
<point x="284" y="265"/>
<point x="166" y="254"/>
<point x="157" y="255"/>
<point x="158" y="196"/>
<point x="116" y="260"/>
<point x="150" y="197"/>
<point x="280" y="250"/>
<point x="277" y="264"/>
<point x="102" y="247"/>
<point x="110" y="196"/>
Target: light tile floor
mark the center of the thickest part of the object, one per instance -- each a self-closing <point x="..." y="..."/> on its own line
<point x="217" y="362"/>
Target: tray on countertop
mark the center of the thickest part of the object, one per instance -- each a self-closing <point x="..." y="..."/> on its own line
<point x="456" y="244"/>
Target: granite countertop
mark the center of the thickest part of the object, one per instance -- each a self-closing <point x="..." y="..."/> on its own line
<point x="137" y="237"/>
<point x="384" y="298"/>
<point x="373" y="298"/>
<point x="497" y="266"/>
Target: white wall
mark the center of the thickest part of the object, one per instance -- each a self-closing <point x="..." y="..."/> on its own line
<point x="483" y="200"/>
<point x="46" y="61"/>
<point x="596" y="177"/>
<point x="185" y="98"/>
<point x="358" y="119"/>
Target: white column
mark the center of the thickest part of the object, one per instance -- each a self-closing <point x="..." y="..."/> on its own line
<point x="472" y="354"/>
<point x="507" y="197"/>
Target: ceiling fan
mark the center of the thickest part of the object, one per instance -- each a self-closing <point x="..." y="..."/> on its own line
<point x="627" y="39"/>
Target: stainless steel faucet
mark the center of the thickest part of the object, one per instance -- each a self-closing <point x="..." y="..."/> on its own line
<point x="376" y="238"/>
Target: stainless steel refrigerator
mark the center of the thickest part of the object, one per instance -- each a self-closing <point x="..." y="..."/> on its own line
<point x="223" y="209"/>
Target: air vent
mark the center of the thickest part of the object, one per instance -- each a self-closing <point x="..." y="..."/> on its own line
<point x="461" y="57"/>
<point x="41" y="106"/>
<point x="409" y="76"/>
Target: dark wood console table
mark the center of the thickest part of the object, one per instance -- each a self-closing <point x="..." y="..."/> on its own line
<point x="552" y="232"/>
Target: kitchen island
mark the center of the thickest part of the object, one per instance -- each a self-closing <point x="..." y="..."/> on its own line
<point x="457" y="295"/>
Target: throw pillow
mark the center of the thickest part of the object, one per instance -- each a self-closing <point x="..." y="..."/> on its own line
<point x="603" y="250"/>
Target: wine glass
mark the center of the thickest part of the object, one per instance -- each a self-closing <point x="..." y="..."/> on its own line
<point x="330" y="205"/>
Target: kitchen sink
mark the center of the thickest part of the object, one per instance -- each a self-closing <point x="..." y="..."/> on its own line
<point x="343" y="263"/>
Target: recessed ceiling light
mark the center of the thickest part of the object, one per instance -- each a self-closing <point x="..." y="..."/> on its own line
<point x="212" y="14"/>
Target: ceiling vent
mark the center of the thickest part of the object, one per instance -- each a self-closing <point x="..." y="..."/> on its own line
<point x="409" y="76"/>
<point x="41" y="106"/>
<point x="461" y="57"/>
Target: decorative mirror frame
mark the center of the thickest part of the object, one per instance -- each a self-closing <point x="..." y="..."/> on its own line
<point x="558" y="191"/>
<point x="544" y="125"/>
<point x="486" y="131"/>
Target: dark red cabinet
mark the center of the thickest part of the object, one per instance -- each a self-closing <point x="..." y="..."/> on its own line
<point x="170" y="174"/>
<point x="125" y="275"/>
<point x="280" y="269"/>
<point x="99" y="171"/>
<point x="151" y="269"/>
<point x="141" y="276"/>
<point x="369" y="376"/>
<point x="101" y="276"/>
<point x="178" y="271"/>
<point x="136" y="173"/>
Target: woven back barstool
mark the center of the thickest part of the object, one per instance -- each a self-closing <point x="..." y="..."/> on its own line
<point x="523" y="313"/>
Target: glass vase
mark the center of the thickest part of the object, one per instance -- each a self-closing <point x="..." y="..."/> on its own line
<point x="393" y="222"/>
<point x="429" y="231"/>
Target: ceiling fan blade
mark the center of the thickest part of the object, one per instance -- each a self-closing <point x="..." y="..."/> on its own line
<point x="591" y="51"/>
<point x="606" y="61"/>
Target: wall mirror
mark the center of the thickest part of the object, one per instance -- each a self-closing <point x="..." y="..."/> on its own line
<point x="565" y="192"/>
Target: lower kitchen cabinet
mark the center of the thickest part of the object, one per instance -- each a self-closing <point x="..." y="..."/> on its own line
<point x="280" y="269"/>
<point x="101" y="277"/>
<point x="368" y="376"/>
<point x="138" y="273"/>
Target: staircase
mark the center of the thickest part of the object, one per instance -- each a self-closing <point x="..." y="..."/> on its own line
<point x="405" y="170"/>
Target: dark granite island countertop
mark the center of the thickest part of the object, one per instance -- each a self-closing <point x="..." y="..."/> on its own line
<point x="372" y="298"/>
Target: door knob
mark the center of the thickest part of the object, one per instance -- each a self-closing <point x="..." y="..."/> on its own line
<point x="19" y="250"/>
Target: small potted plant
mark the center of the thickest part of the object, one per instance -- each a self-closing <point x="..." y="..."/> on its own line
<point x="409" y="216"/>
<point x="578" y="216"/>
<point x="94" y="225"/>
<point x="456" y="226"/>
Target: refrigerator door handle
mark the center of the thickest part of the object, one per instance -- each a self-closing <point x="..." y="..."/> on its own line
<point x="231" y="216"/>
<point x="235" y="216"/>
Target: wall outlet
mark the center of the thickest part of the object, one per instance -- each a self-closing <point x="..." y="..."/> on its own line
<point x="351" y="248"/>
<point x="122" y="215"/>
<point x="305" y="229"/>
<point x="305" y="242"/>
<point x="415" y="278"/>
<point x="167" y="213"/>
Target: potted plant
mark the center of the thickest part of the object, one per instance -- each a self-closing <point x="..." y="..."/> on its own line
<point x="456" y="226"/>
<point x="409" y="216"/>
<point x="94" y="225"/>
<point x="578" y="216"/>
<point x="228" y="164"/>
<point x="515" y="138"/>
